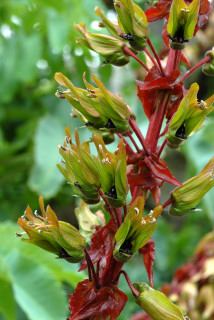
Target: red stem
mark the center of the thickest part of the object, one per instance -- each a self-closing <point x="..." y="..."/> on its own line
<point x="121" y="137"/>
<point x="156" y="121"/>
<point x="125" y="210"/>
<point x="205" y="60"/>
<point x="135" y="292"/>
<point x="138" y="133"/>
<point x="173" y="60"/>
<point x="156" y="56"/>
<point x="167" y="203"/>
<point x="133" y="141"/>
<point x="153" y="60"/>
<point x="107" y="205"/>
<point x="91" y="266"/>
<point x="118" y="218"/>
<point x="130" y="53"/>
<point x="161" y="148"/>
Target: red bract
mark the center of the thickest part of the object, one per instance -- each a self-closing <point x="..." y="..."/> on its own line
<point x="102" y="246"/>
<point x="159" y="170"/>
<point x="148" y="252"/>
<point x="149" y="90"/>
<point x="162" y="9"/>
<point x="88" y="301"/>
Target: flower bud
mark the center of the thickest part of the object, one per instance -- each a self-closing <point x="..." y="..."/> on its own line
<point x="157" y="305"/>
<point x="80" y="169"/>
<point x="208" y="68"/>
<point x="112" y="172"/>
<point x="133" y="23"/>
<point x="135" y="231"/>
<point x="48" y="233"/>
<point x="187" y="196"/>
<point x="182" y="22"/>
<point x="108" y="47"/>
<point x="98" y="108"/>
<point x="189" y="117"/>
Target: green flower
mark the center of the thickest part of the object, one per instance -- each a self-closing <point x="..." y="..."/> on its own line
<point x="189" y="117"/>
<point x="133" y="23"/>
<point x="52" y="235"/>
<point x="187" y="196"/>
<point x="208" y="68"/>
<point x="157" y="305"/>
<point x="112" y="171"/>
<point x="97" y="107"/>
<point x="80" y="169"/>
<point x="182" y="22"/>
<point x="135" y="231"/>
<point x="108" y="47"/>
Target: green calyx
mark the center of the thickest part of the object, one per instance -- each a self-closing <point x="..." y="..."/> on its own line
<point x="109" y="47"/>
<point x="133" y="23"/>
<point x="55" y="236"/>
<point x="97" y="107"/>
<point x="157" y="305"/>
<point x="182" y="22"/>
<point x="135" y="231"/>
<point x="208" y="68"/>
<point x="186" y="197"/>
<point x="188" y="118"/>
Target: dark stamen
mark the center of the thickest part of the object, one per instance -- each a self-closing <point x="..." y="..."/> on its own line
<point x="112" y="193"/>
<point x="77" y="184"/>
<point x="110" y="124"/>
<point x="126" y="247"/>
<point x="180" y="133"/>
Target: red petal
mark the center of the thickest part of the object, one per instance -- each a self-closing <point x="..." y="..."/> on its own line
<point x="159" y="169"/>
<point x="88" y="301"/>
<point x="148" y="252"/>
<point x="185" y="60"/>
<point x="102" y="246"/>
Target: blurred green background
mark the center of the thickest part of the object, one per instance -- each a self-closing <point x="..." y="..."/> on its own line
<point x="37" y="40"/>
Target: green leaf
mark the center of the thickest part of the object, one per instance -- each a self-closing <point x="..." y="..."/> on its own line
<point x="7" y="303"/>
<point x="45" y="177"/>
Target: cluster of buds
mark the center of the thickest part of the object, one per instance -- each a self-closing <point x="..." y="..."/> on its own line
<point x="189" y="117"/>
<point x="97" y="107"/>
<point x="135" y="231"/>
<point x="55" y="236"/>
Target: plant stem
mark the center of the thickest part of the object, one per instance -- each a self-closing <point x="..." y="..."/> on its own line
<point x="107" y="205"/>
<point x="118" y="217"/>
<point x="156" y="56"/>
<point x="130" y="53"/>
<point x="125" y="210"/>
<point x="138" y="133"/>
<point x="205" y="60"/>
<point x="133" y="141"/>
<point x="161" y="148"/>
<point x="167" y="203"/>
<point x="135" y="292"/>
<point x="156" y="121"/>
<point x="91" y="266"/>
<point x="173" y="60"/>
<point x="153" y="60"/>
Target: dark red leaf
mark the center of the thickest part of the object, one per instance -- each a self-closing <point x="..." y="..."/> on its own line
<point x="148" y="252"/>
<point x="162" y="83"/>
<point x="141" y="315"/>
<point x="159" y="170"/>
<point x="159" y="11"/>
<point x="88" y="301"/>
<point x="102" y="246"/>
<point x="148" y="90"/>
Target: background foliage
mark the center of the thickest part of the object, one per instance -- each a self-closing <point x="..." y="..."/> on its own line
<point x="37" y="40"/>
